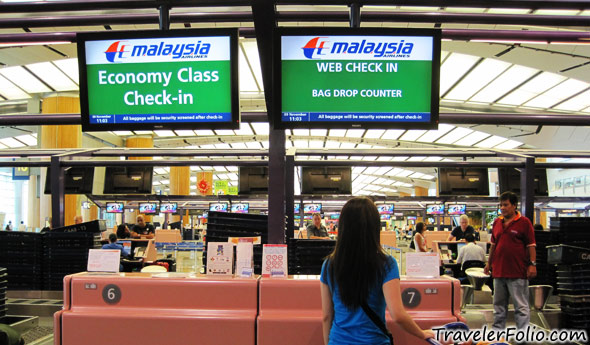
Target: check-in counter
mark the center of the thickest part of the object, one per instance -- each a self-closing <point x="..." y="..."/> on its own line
<point x="140" y="308"/>
<point x="388" y="238"/>
<point x="169" y="236"/>
<point x="290" y="311"/>
<point x="431" y="236"/>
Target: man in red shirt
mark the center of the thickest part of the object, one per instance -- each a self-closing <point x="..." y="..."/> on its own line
<point x="512" y="259"/>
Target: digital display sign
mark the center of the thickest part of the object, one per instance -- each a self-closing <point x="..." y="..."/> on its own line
<point x="240" y="208"/>
<point x="347" y="78"/>
<point x="385" y="216"/>
<point x="312" y="208"/>
<point x="296" y="208"/>
<point x="115" y="207"/>
<point x="385" y="208"/>
<point x="457" y="209"/>
<point x="219" y="207"/>
<point x="148" y="207"/>
<point x="435" y="209"/>
<point x="159" y="79"/>
<point x="168" y="207"/>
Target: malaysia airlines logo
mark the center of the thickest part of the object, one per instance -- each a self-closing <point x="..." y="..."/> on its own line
<point x="195" y="50"/>
<point x="113" y="50"/>
<point x="312" y="46"/>
<point x="319" y="46"/>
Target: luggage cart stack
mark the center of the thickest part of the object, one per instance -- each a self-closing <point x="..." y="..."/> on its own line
<point x="222" y="225"/>
<point x="573" y="284"/>
<point x="21" y="253"/>
<point x="66" y="253"/>
<point x="307" y="256"/>
<point x="3" y="287"/>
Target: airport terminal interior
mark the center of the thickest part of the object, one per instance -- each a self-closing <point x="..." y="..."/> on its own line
<point x="508" y="109"/>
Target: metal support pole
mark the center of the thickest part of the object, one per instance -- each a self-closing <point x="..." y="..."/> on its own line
<point x="290" y="193"/>
<point x="57" y="193"/>
<point x="355" y="15"/>
<point x="527" y="188"/>
<point x="276" y="186"/>
<point x="164" y="17"/>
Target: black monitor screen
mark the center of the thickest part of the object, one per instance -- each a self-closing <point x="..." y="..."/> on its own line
<point x="385" y="208"/>
<point x="509" y="180"/>
<point x="128" y="180"/>
<point x="253" y="180"/>
<point x="77" y="180"/>
<point x="328" y="180"/>
<point x="463" y="181"/>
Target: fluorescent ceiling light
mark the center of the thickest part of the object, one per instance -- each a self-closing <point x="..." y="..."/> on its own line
<point x="240" y="146"/>
<point x="222" y="146"/>
<point x="164" y="181"/>
<point x="465" y="9"/>
<point x="347" y="145"/>
<point x="434" y="134"/>
<point x="374" y="133"/>
<point x="404" y="173"/>
<point x="219" y="168"/>
<point x="395" y="171"/>
<point x="193" y="179"/>
<point x="247" y="81"/>
<point x="510" y="79"/>
<point x="364" y="146"/>
<point x="330" y="144"/>
<point x="416" y="175"/>
<point x="319" y="132"/>
<point x="510" y="144"/>
<point x="576" y="103"/>
<point x="508" y="10"/>
<point x="416" y="159"/>
<point x="28" y="139"/>
<point x="69" y="67"/>
<point x="53" y="76"/>
<point x="548" y="12"/>
<point x="165" y="133"/>
<point x="455" y="135"/>
<point x="472" y="138"/>
<point x="427" y="177"/>
<point x="412" y="134"/>
<point x="433" y="159"/>
<point x="301" y="144"/>
<point x="123" y="133"/>
<point x="358" y="170"/>
<point x="454" y="67"/>
<point x="479" y="77"/>
<point x="143" y="132"/>
<point x="264" y="144"/>
<point x="369" y="158"/>
<point x="184" y="132"/>
<point x="400" y="158"/>
<point x="223" y="176"/>
<point x="392" y="134"/>
<point x="301" y="132"/>
<point x="244" y="129"/>
<point x="384" y="159"/>
<point x="260" y="128"/>
<point x="253" y="145"/>
<point x="354" y="133"/>
<point x="557" y="94"/>
<point x="383" y="171"/>
<point x="24" y="79"/>
<point x="204" y="132"/>
<point x="251" y="49"/>
<point x="339" y="133"/>
<point x="160" y="171"/>
<point x="316" y="144"/>
<point x="532" y="88"/>
<point x="10" y="91"/>
<point x="224" y="132"/>
<point x="371" y="170"/>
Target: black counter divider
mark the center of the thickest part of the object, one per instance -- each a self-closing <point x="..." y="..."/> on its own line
<point x="307" y="256"/>
<point x="222" y="225"/>
<point x="572" y="269"/>
<point x="66" y="253"/>
<point x="21" y="253"/>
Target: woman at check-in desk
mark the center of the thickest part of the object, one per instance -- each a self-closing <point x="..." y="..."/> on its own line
<point x="360" y="278"/>
<point x="463" y="229"/>
<point x="419" y="240"/>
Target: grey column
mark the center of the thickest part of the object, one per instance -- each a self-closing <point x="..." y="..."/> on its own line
<point x="289" y="193"/>
<point x="57" y="193"/>
<point x="276" y="186"/>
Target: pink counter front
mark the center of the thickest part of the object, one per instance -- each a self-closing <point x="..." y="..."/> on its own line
<point x="290" y="309"/>
<point x="143" y="308"/>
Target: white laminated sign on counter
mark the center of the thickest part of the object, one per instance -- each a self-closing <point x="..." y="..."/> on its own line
<point x="220" y="256"/>
<point x="274" y="260"/>
<point x="423" y="265"/>
<point x="103" y="260"/>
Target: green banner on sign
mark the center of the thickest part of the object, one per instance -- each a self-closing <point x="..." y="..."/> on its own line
<point x="221" y="187"/>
